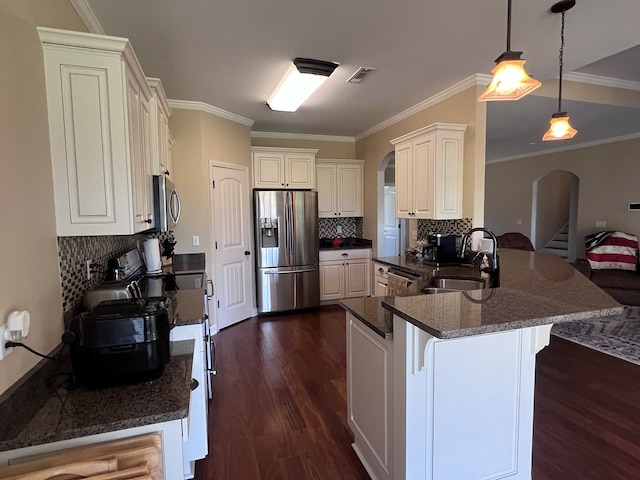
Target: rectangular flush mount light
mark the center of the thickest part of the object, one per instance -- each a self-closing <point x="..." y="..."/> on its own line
<point x="304" y="76"/>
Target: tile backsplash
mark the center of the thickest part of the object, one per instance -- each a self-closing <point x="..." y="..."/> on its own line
<point x="452" y="227"/>
<point x="73" y="253"/>
<point x="351" y="227"/>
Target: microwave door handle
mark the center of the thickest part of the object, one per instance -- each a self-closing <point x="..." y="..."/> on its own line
<point x="175" y="215"/>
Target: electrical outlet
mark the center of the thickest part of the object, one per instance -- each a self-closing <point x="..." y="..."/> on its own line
<point x="4" y="351"/>
<point x="601" y="223"/>
<point x="88" y="263"/>
<point x="519" y="221"/>
<point x="339" y="229"/>
<point x="195" y="241"/>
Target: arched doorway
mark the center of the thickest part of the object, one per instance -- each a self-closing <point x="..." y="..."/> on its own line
<point x="554" y="213"/>
<point x="390" y="230"/>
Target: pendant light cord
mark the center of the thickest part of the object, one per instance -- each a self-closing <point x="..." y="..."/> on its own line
<point x="508" y="25"/>
<point x="561" y="63"/>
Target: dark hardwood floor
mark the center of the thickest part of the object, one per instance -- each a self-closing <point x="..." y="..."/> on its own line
<point x="280" y="406"/>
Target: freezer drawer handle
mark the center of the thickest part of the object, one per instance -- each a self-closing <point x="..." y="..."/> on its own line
<point x="290" y="271"/>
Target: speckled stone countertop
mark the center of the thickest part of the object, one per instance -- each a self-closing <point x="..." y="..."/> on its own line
<point x="535" y="289"/>
<point x="34" y="413"/>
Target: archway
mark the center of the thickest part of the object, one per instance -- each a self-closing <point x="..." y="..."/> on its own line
<point x="391" y="232"/>
<point x="554" y="213"/>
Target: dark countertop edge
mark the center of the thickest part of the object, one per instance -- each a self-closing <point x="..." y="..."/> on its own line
<point x="397" y="265"/>
<point x="189" y="321"/>
<point x="385" y="335"/>
<point x="94" y="430"/>
<point x="495" y="328"/>
<point x="350" y="247"/>
<point x="180" y="348"/>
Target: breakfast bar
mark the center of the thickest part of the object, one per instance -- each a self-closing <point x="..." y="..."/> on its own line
<point x="441" y="385"/>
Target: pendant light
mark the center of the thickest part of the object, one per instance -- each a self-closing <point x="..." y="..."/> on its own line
<point x="510" y="81"/>
<point x="560" y="128"/>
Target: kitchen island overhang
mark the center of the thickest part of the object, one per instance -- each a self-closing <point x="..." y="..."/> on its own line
<point x="458" y="377"/>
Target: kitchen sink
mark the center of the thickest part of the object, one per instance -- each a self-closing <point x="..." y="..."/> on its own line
<point x="452" y="284"/>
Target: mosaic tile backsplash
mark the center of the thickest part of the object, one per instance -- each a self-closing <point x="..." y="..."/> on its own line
<point x="450" y="227"/>
<point x="351" y="227"/>
<point x="73" y="253"/>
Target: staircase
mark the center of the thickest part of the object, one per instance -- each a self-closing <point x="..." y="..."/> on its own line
<point x="559" y="244"/>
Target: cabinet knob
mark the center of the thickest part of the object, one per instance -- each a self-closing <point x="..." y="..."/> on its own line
<point x="381" y="269"/>
<point x="166" y="172"/>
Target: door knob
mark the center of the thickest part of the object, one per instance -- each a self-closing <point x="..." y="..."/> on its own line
<point x="247" y="252"/>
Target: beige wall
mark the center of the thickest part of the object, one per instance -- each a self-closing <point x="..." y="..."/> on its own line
<point x="461" y="108"/>
<point x="31" y="277"/>
<point x="608" y="176"/>
<point x="554" y="193"/>
<point x="199" y="139"/>
<point x="326" y="149"/>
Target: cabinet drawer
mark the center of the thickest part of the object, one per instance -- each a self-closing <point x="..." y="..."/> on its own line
<point x="380" y="270"/>
<point x="328" y="255"/>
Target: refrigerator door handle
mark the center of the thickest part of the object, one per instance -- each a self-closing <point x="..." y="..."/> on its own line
<point x="286" y="272"/>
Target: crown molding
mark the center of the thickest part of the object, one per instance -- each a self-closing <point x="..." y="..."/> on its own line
<point x="472" y="81"/>
<point x="87" y="16"/>
<point x="601" y="81"/>
<point x="303" y="136"/>
<point x="205" y="107"/>
<point x="578" y="146"/>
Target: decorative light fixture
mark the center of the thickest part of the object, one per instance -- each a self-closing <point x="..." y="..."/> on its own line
<point x="560" y="128"/>
<point x="304" y="76"/>
<point x="510" y="81"/>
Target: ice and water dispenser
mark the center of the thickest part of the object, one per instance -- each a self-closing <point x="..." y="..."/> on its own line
<point x="268" y="232"/>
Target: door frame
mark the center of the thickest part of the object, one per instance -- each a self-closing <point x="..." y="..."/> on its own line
<point x="403" y="238"/>
<point x="214" y="255"/>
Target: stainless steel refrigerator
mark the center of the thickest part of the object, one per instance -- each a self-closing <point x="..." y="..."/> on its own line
<point x="286" y="239"/>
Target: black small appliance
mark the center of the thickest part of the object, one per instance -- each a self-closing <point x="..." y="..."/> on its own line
<point x="120" y="341"/>
<point x="442" y="249"/>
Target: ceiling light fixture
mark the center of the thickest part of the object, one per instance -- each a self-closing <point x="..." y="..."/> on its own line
<point x="510" y="81"/>
<point x="304" y="76"/>
<point x="560" y="128"/>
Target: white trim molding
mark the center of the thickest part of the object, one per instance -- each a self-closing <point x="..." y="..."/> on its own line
<point x="303" y="136"/>
<point x="87" y="16"/>
<point x="205" y="107"/>
<point x="473" y="80"/>
<point x="595" y="143"/>
<point x="602" y="81"/>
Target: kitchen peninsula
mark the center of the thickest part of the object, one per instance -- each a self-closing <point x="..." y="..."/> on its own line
<point x="441" y="386"/>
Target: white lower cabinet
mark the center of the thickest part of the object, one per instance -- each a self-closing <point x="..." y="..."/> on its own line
<point x="344" y="274"/>
<point x="195" y="431"/>
<point x="380" y="279"/>
<point x="370" y="397"/>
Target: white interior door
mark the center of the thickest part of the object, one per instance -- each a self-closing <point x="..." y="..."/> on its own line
<point x="233" y="262"/>
<point x="391" y="230"/>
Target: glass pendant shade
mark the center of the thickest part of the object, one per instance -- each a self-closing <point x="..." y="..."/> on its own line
<point x="560" y="129"/>
<point x="509" y="82"/>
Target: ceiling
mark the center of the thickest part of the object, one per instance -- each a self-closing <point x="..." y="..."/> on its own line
<point x="232" y="54"/>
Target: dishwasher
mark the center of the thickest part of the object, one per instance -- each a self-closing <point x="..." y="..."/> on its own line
<point x="399" y="280"/>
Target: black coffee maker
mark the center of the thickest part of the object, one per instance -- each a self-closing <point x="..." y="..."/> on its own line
<point x="442" y="249"/>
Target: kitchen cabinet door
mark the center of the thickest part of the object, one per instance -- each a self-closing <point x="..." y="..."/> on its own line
<point x="339" y="188"/>
<point x="96" y="97"/>
<point x="357" y="278"/>
<point x="160" y="136"/>
<point x="429" y="172"/>
<point x="284" y="168"/>
<point x="332" y="285"/>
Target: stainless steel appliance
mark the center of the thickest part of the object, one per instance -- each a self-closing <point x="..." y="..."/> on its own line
<point x="166" y="204"/>
<point x="286" y="238"/>
<point x="442" y="249"/>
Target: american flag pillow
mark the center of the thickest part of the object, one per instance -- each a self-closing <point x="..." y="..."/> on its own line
<point x="612" y="250"/>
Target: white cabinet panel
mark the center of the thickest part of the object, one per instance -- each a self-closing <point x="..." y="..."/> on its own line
<point x="340" y="191"/>
<point x="345" y="274"/>
<point x="429" y="172"/>
<point x="288" y="168"/>
<point x="98" y="127"/>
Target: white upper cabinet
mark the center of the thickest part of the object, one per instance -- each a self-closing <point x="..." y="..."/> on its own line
<point x="290" y="168"/>
<point x="99" y="126"/>
<point x="159" y="110"/>
<point x="429" y="172"/>
<point x="339" y="188"/>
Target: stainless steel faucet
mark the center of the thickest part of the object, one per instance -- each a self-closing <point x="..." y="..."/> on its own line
<point x="494" y="269"/>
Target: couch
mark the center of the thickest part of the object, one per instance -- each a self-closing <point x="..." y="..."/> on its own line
<point x="623" y="285"/>
<point x="515" y="240"/>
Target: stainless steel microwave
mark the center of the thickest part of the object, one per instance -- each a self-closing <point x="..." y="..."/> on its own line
<point x="166" y="204"/>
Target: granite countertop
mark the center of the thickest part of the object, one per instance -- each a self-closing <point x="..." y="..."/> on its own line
<point x="40" y="414"/>
<point x="188" y="306"/>
<point x="536" y="289"/>
<point x="345" y="243"/>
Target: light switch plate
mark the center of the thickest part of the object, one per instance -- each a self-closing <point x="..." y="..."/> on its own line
<point x="195" y="241"/>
